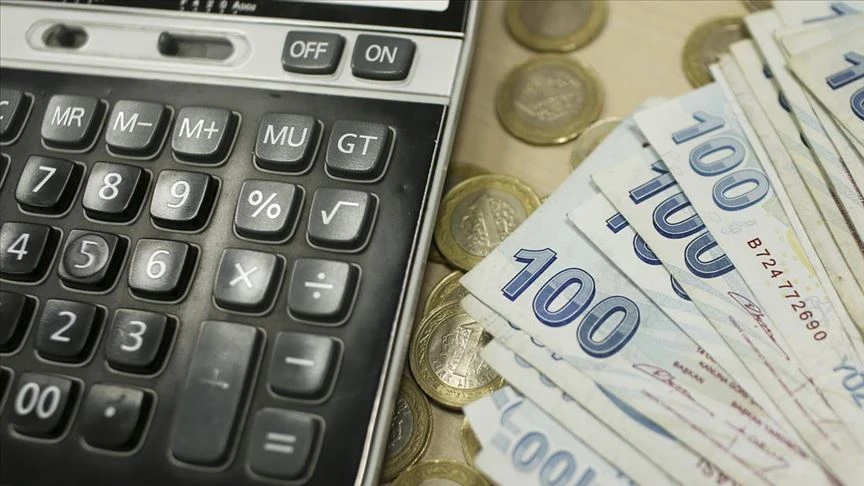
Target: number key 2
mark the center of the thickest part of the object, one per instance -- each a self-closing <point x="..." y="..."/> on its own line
<point x="114" y="192"/>
<point x="182" y="200"/>
<point x="65" y="331"/>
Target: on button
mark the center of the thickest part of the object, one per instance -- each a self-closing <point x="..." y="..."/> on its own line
<point x="381" y="57"/>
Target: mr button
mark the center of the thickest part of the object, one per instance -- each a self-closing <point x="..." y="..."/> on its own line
<point x="71" y="122"/>
<point x="358" y="150"/>
<point x="382" y="58"/>
<point x="312" y="52"/>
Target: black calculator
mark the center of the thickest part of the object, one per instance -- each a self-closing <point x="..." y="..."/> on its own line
<point x="214" y="218"/>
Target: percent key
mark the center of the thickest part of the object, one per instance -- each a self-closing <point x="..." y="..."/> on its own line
<point x="267" y="210"/>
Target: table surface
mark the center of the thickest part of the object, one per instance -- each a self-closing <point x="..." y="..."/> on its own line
<point x="636" y="56"/>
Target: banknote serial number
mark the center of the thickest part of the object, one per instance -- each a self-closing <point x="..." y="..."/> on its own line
<point x="791" y="294"/>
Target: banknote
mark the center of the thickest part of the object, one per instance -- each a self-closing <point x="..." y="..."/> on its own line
<point x="679" y="462"/>
<point x="763" y="26"/>
<point x="568" y="309"/>
<point x="565" y="410"/>
<point x="823" y="220"/>
<point x="712" y="156"/>
<point x="834" y="73"/>
<point x="800" y="12"/>
<point x="527" y="447"/>
<point x="730" y="77"/>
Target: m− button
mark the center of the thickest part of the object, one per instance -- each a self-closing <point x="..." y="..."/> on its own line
<point x="381" y="57"/>
<point x="203" y="134"/>
<point x="71" y="122"/>
<point x="358" y="150"/>
<point x="312" y="52"/>
<point x="135" y="128"/>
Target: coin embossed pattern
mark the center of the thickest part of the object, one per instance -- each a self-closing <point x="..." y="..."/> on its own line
<point x="555" y="26"/>
<point x="591" y="138"/>
<point x="470" y="443"/>
<point x="459" y="172"/>
<point x="478" y="214"/>
<point x="549" y="99"/>
<point x="431" y="473"/>
<point x="410" y="429"/>
<point x="447" y="290"/>
<point x="706" y="42"/>
<point x="445" y="357"/>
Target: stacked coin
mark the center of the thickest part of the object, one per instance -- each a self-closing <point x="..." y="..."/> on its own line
<point x="706" y="42"/>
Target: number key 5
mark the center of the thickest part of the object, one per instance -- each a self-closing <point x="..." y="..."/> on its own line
<point x="114" y="192"/>
<point x="161" y="269"/>
<point x="91" y="260"/>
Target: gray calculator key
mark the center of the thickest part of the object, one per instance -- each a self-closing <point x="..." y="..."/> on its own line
<point x="341" y="218"/>
<point x="312" y="52"/>
<point x="382" y="57"/>
<point x="246" y="280"/>
<point x="182" y="200"/>
<point x="286" y="142"/>
<point x="13" y="109"/>
<point x="321" y="290"/>
<point x="136" y="127"/>
<point x="267" y="210"/>
<point x="358" y="150"/>
<point x="42" y="421"/>
<point x="301" y="364"/>
<point x="203" y="134"/>
<point x="160" y="269"/>
<point x="282" y="443"/>
<point x="70" y="122"/>
<point x="209" y="404"/>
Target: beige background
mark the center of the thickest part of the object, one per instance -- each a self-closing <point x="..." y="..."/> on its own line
<point x="637" y="56"/>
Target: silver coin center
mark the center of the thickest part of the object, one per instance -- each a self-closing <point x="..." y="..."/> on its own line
<point x="401" y="427"/>
<point x="485" y="219"/>
<point x="454" y="356"/>
<point x="554" y="18"/>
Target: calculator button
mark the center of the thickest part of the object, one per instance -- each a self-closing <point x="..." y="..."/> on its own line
<point x="182" y="200"/>
<point x="358" y="150"/>
<point x="91" y="260"/>
<point x="114" y="192"/>
<point x="312" y="52"/>
<point x="137" y="340"/>
<point x="161" y="269"/>
<point x="321" y="290"/>
<point x="208" y="407"/>
<point x="25" y="250"/>
<point x="4" y="167"/>
<point x="246" y="280"/>
<point x="13" y="110"/>
<point x="381" y="57"/>
<point x="41" y="404"/>
<point x="111" y="416"/>
<point x="281" y="443"/>
<point x="71" y="122"/>
<point x="135" y="128"/>
<point x="301" y="364"/>
<point x="267" y="210"/>
<point x="15" y="311"/>
<point x="340" y="218"/>
<point x="65" y="330"/>
<point x="286" y="142"/>
<point x="47" y="185"/>
<point x="203" y="134"/>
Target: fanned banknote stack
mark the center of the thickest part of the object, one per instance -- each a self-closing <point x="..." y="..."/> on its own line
<point x="688" y="307"/>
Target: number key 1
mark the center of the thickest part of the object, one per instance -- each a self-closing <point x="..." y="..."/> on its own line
<point x="114" y="191"/>
<point x="137" y="340"/>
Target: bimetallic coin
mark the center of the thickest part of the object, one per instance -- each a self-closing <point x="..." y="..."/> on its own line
<point x="439" y="473"/>
<point x="706" y="43"/>
<point x="591" y="138"/>
<point x="549" y="100"/>
<point x="478" y="214"/>
<point x="555" y="25"/>
<point x="447" y="290"/>
<point x="460" y="171"/>
<point x="470" y="444"/>
<point x="410" y="429"/>
<point x="445" y="357"/>
<point x="756" y="5"/>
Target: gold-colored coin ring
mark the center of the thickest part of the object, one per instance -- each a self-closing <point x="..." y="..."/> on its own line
<point x="590" y="29"/>
<point x="524" y="130"/>
<point x="438" y="469"/>
<point x="421" y="414"/>
<point x="694" y="66"/>
<point x="435" y="255"/>
<point x="461" y="171"/>
<point x="470" y="444"/>
<point x="442" y="393"/>
<point x="457" y="256"/>
<point x="591" y="138"/>
<point x="444" y="291"/>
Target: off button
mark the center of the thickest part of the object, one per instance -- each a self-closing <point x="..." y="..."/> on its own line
<point x="312" y="52"/>
<point x="383" y="58"/>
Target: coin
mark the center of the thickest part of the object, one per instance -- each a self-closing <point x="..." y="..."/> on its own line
<point x="435" y="255"/>
<point x="478" y="214"/>
<point x="470" y="444"/>
<point x="439" y="472"/>
<point x="447" y="290"/>
<point x="706" y="42"/>
<point x="460" y="171"/>
<point x="555" y="26"/>
<point x="445" y="357"/>
<point x="591" y="138"/>
<point x="549" y="99"/>
<point x="755" y="5"/>
<point x="410" y="429"/>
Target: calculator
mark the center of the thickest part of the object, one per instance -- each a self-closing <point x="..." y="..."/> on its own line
<point x="214" y="220"/>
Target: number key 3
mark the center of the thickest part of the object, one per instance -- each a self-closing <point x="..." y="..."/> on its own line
<point x="182" y="200"/>
<point x="137" y="340"/>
